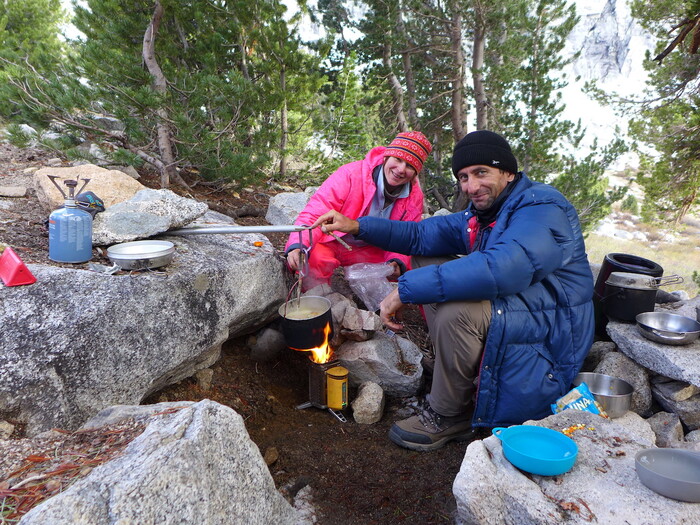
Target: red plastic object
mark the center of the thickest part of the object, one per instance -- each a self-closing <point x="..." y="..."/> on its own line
<point x="13" y="271"/>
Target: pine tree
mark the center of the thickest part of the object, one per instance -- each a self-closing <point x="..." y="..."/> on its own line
<point x="669" y="116"/>
<point x="215" y="78"/>
<point x="29" y="39"/>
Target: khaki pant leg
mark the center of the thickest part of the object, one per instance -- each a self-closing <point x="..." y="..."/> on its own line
<point x="458" y="331"/>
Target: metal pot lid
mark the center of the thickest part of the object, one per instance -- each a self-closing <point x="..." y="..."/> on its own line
<point x="141" y="249"/>
<point x="636" y="281"/>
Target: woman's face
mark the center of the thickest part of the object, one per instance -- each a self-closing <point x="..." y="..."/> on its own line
<point x="398" y="171"/>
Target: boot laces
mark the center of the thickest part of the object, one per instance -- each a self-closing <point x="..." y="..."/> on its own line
<point x="430" y="419"/>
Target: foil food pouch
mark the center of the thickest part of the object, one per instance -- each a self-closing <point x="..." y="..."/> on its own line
<point x="579" y="398"/>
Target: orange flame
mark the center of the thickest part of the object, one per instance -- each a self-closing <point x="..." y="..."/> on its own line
<point x="323" y="353"/>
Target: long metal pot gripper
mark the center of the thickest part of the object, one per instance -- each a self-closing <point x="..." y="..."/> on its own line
<point x="206" y="230"/>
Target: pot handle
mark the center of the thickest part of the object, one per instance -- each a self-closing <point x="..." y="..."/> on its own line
<point x="669" y="279"/>
<point x="497" y="432"/>
<point x="666" y="336"/>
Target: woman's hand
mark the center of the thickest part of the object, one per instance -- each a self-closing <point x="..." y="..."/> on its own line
<point x="396" y="270"/>
<point x="293" y="259"/>
<point x="334" y="221"/>
<point x="390" y="309"/>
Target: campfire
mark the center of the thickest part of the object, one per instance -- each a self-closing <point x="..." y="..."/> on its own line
<point x="328" y="382"/>
<point x="323" y="353"/>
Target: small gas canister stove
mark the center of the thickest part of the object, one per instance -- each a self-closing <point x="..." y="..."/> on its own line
<point x="328" y="388"/>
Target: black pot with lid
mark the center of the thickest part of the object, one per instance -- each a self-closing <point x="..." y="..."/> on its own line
<point x="628" y="294"/>
<point x="618" y="262"/>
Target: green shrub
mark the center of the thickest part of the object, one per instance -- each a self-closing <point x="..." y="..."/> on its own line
<point x="18" y="137"/>
<point x="630" y="204"/>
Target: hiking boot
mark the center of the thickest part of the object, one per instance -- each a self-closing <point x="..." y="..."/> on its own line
<point x="428" y="430"/>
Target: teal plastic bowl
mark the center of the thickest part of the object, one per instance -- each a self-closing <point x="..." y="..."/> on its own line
<point x="537" y="450"/>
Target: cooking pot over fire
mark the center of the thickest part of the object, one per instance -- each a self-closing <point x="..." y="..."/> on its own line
<point x="305" y="322"/>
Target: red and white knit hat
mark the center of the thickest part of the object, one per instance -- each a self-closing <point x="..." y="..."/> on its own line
<point x="411" y="146"/>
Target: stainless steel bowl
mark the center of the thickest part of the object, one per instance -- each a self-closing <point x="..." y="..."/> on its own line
<point x="141" y="255"/>
<point x="671" y="472"/>
<point x="667" y="328"/>
<point x="613" y="394"/>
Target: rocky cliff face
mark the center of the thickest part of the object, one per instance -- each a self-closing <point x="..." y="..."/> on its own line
<point x="612" y="46"/>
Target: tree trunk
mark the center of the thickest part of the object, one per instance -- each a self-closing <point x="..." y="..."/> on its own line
<point x="165" y="147"/>
<point x="410" y="77"/>
<point x="283" y="124"/>
<point x="396" y="89"/>
<point x="458" y="109"/>
<point x="438" y="197"/>
<point x="477" y="64"/>
<point x="686" y="204"/>
<point x="461" y="200"/>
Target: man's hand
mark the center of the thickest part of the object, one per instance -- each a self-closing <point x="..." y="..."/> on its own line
<point x="293" y="259"/>
<point x="334" y="221"/>
<point x="390" y="309"/>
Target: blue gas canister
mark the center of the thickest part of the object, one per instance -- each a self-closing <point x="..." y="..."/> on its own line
<point x="70" y="228"/>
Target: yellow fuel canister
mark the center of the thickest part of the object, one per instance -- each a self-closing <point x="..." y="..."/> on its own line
<point x="337" y="387"/>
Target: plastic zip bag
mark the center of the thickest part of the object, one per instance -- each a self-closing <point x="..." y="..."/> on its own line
<point x="369" y="282"/>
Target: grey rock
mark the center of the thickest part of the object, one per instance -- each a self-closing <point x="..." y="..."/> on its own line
<point x="693" y="436"/>
<point x="285" y="207"/>
<point x="356" y="319"/>
<point x="13" y="191"/>
<point x="682" y="295"/>
<point x="596" y="354"/>
<point x="639" y="427"/>
<point x="147" y="213"/>
<point x="357" y="335"/>
<point x="108" y="123"/>
<point x="97" y="152"/>
<point x="77" y="341"/>
<point x="52" y="135"/>
<point x="112" y="186"/>
<point x="602" y="484"/>
<point x="673" y="390"/>
<point x="6" y="429"/>
<point x="688" y="410"/>
<point x="392" y="363"/>
<point x="676" y="362"/>
<point x="662" y="297"/>
<point x="195" y="465"/>
<point x="442" y="211"/>
<point x="668" y="429"/>
<point x="266" y="344"/>
<point x="618" y="365"/>
<point x="129" y="170"/>
<point x="204" y="378"/>
<point x="27" y="130"/>
<point x="368" y="406"/>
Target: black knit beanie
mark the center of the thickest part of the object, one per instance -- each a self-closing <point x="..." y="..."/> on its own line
<point x="486" y="148"/>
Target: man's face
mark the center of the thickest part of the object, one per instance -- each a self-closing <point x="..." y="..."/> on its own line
<point x="483" y="184"/>
<point x="398" y="171"/>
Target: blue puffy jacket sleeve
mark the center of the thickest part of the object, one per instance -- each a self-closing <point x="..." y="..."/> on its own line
<point x="533" y="242"/>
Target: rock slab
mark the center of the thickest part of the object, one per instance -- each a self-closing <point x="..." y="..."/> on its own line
<point x="195" y="463"/>
<point x="78" y="341"/>
<point x="602" y="486"/>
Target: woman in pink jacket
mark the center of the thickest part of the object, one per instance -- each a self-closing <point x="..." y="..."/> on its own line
<point x="384" y="184"/>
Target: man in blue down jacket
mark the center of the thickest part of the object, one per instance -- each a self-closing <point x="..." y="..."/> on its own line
<point x="507" y="291"/>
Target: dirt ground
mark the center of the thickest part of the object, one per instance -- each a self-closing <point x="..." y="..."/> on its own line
<point x="357" y="476"/>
